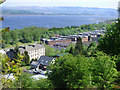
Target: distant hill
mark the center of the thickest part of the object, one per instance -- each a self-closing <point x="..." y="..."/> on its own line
<point x="35" y="10"/>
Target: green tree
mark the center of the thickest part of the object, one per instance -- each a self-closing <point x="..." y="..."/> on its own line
<point x="79" y="47"/>
<point x="24" y="81"/>
<point x="62" y="51"/>
<point x="92" y="45"/>
<point x="118" y="62"/>
<point x="44" y="84"/>
<point x="71" y="50"/>
<point x="91" y="49"/>
<point x="26" y="58"/>
<point x="9" y="67"/>
<point x="36" y="35"/>
<point x="27" y="36"/>
<point x="16" y="52"/>
<point x="71" y="72"/>
<point x="49" y="51"/>
<point x="6" y="37"/>
<point x="110" y="42"/>
<point x="103" y="70"/>
<point x="14" y="37"/>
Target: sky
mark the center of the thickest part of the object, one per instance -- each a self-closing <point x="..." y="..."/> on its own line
<point x="54" y="3"/>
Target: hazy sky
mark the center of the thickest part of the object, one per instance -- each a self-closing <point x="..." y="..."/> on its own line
<point x="81" y="3"/>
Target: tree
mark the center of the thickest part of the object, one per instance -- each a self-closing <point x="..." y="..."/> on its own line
<point x="26" y="58"/>
<point x="71" y="72"/>
<point x="118" y="62"/>
<point x="71" y="50"/>
<point x="81" y="71"/>
<point x="110" y="42"/>
<point x="26" y="81"/>
<point x="6" y="37"/>
<point x="36" y="36"/>
<point x="49" y="51"/>
<point x="91" y="49"/>
<point x="14" y="37"/>
<point x="103" y="70"/>
<point x="9" y="67"/>
<point x="27" y="36"/>
<point x="92" y="46"/>
<point x="79" y="47"/>
<point x="62" y="50"/>
<point x="16" y="52"/>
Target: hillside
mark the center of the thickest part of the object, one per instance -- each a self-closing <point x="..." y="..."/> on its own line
<point x="59" y="11"/>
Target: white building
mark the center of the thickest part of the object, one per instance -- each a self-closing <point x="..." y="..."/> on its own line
<point x="34" y="51"/>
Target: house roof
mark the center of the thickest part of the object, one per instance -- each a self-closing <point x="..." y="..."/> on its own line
<point x="44" y="60"/>
<point x="30" y="48"/>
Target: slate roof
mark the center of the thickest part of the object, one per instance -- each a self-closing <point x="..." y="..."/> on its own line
<point x="44" y="60"/>
<point x="30" y="48"/>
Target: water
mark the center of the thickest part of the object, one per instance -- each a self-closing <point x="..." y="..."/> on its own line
<point x="49" y="21"/>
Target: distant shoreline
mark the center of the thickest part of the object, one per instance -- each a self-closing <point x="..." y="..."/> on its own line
<point x="46" y="15"/>
<point x="51" y="15"/>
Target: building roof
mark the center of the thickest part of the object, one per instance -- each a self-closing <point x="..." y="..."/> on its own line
<point x="58" y="48"/>
<point x="30" y="47"/>
<point x="62" y="44"/>
<point x="44" y="60"/>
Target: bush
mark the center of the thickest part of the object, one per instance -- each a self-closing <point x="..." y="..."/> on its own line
<point x="25" y="81"/>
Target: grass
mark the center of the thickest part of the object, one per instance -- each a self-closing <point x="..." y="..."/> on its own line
<point x="26" y="67"/>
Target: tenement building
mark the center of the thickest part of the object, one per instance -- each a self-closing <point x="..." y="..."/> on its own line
<point x="35" y="51"/>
